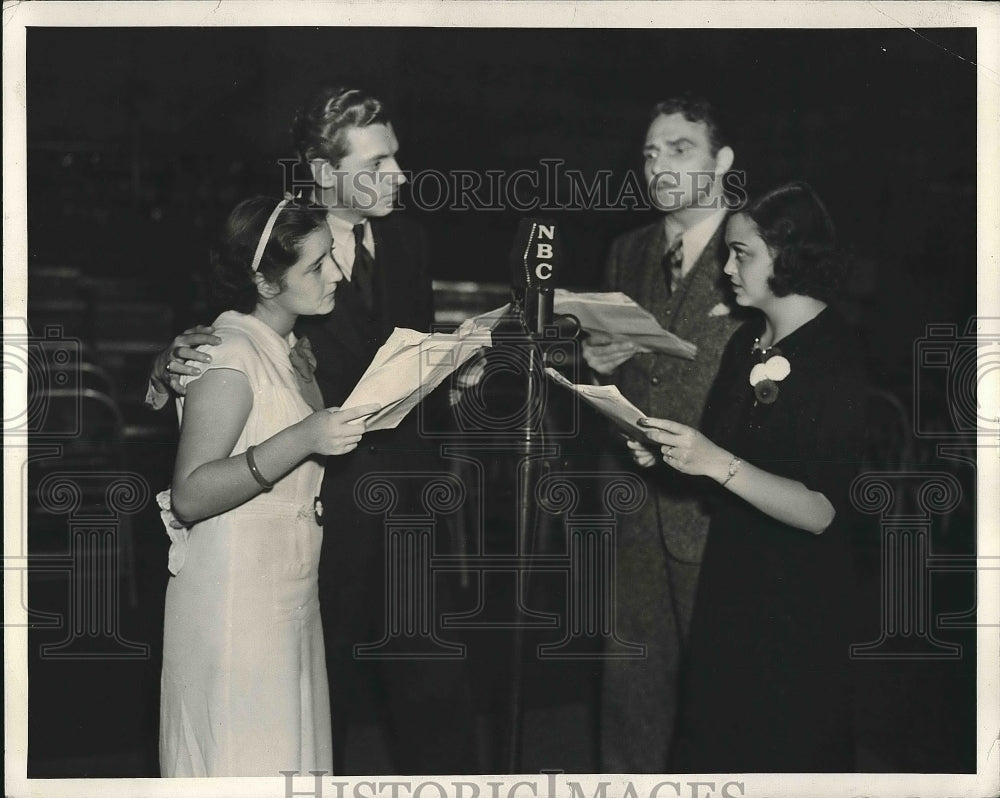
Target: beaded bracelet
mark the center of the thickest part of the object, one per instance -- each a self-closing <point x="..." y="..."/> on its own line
<point x="734" y="466"/>
<point x="256" y="471"/>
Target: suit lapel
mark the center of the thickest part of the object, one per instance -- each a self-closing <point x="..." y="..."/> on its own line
<point x="649" y="278"/>
<point x="346" y="327"/>
<point x="387" y="256"/>
<point x="700" y="281"/>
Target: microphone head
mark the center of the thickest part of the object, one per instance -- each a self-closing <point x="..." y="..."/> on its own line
<point x="535" y="258"/>
<point x="535" y="255"/>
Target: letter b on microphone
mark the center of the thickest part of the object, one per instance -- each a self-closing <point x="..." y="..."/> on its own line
<point x="535" y="259"/>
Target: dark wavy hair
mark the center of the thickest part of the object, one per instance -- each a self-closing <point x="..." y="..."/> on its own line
<point x="231" y="285"/>
<point x="695" y="109"/>
<point x="799" y="233"/>
<point x="321" y="125"/>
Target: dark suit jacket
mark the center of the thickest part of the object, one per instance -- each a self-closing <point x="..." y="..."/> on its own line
<point x="346" y="340"/>
<point x="699" y="311"/>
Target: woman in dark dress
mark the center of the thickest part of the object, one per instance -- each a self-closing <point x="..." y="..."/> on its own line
<point x="766" y="684"/>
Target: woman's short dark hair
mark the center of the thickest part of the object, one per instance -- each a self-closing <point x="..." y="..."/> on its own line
<point x="231" y="285"/>
<point x="799" y="233"/>
<point x="321" y="125"/>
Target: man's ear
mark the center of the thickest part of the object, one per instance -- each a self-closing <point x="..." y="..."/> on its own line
<point x="265" y="289"/>
<point x="724" y="160"/>
<point x="323" y="173"/>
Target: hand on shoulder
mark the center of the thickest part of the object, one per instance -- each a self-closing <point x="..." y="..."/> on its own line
<point x="178" y="359"/>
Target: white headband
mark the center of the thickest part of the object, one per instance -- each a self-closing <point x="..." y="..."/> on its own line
<point x="266" y="235"/>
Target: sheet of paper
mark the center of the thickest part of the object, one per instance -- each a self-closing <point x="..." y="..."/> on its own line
<point x="619" y="315"/>
<point x="491" y="318"/>
<point x="608" y="401"/>
<point x="411" y="364"/>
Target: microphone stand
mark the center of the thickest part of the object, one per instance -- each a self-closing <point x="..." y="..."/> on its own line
<point x="533" y="467"/>
<point x="535" y="259"/>
<point x="528" y="464"/>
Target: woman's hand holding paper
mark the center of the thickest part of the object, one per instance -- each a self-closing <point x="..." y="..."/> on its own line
<point x="686" y="449"/>
<point x="335" y="431"/>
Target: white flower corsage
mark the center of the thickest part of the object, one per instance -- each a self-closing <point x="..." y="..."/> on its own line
<point x="721" y="309"/>
<point x="176" y="530"/>
<point x="765" y="376"/>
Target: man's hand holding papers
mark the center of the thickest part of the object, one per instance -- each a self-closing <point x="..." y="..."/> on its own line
<point x="618" y="328"/>
<point x="604" y="353"/>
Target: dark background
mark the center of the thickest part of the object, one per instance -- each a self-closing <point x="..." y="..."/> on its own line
<point x="141" y="140"/>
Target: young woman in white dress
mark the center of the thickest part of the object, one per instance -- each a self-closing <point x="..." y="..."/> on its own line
<point x="244" y="688"/>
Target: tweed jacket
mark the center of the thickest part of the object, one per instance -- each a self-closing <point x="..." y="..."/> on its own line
<point x="700" y="311"/>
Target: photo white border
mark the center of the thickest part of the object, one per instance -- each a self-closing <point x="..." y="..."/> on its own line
<point x="17" y="16"/>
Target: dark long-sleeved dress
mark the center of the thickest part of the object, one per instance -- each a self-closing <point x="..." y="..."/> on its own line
<point x="766" y="687"/>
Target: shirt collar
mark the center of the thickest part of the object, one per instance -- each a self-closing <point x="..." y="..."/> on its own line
<point x="338" y="226"/>
<point x="342" y="233"/>
<point x="695" y="237"/>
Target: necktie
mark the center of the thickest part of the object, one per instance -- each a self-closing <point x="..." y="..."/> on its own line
<point x="304" y="363"/>
<point x="363" y="272"/>
<point x="673" y="260"/>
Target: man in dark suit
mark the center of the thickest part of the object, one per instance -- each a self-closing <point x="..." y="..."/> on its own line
<point x="673" y="268"/>
<point x="421" y="706"/>
<point x="347" y="139"/>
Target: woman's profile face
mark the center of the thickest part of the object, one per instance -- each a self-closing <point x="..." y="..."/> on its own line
<point x="750" y="263"/>
<point x="309" y="285"/>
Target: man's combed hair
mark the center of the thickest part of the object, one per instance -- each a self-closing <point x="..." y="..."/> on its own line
<point x="320" y="127"/>
<point x="695" y="109"/>
<point x="231" y="284"/>
<point x="799" y="233"/>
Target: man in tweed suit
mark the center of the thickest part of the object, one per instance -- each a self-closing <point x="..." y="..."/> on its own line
<point x="673" y="268"/>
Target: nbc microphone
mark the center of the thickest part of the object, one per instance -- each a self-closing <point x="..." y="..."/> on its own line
<point x="535" y="258"/>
